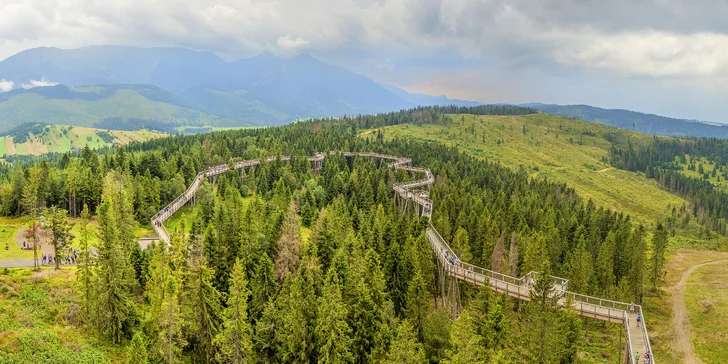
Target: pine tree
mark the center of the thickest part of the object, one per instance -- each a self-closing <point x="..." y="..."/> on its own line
<point x="265" y="340"/>
<point x="289" y="245"/>
<point x="170" y="340"/>
<point x="61" y="230"/>
<point x="497" y="257"/>
<point x="263" y="286"/>
<point x="496" y="330"/>
<point x="579" y="265"/>
<point x="114" y="273"/>
<point x="461" y="245"/>
<point x="569" y="336"/>
<point x="333" y="334"/>
<point x="417" y="304"/>
<point x="464" y="342"/>
<point x="298" y="321"/>
<point x="405" y="349"/>
<point x="659" y="246"/>
<point x="85" y="272"/>
<point x="203" y="307"/>
<point x="137" y="351"/>
<point x="235" y="339"/>
<point x="540" y="317"/>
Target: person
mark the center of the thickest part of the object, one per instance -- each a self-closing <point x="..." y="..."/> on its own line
<point x="631" y="306"/>
<point x="23" y="244"/>
<point x="639" y="319"/>
<point x="637" y="357"/>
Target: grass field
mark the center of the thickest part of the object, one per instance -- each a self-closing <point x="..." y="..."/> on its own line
<point x="707" y="335"/>
<point x="556" y="148"/>
<point x="8" y="228"/>
<point x="707" y="303"/>
<point x="62" y="138"/>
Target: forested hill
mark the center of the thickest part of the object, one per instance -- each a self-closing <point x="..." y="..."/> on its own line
<point x="637" y="121"/>
<point x="240" y="281"/>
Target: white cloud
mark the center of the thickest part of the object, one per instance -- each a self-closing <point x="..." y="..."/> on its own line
<point x="657" y="54"/>
<point x="38" y="83"/>
<point x="6" y="85"/>
<point x="287" y="45"/>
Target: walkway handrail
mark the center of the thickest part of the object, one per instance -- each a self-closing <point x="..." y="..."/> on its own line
<point x="629" y="339"/>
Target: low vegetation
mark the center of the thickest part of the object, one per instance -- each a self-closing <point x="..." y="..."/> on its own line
<point x="37" y="139"/>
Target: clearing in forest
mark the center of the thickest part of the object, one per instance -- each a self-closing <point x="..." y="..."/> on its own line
<point x="548" y="146"/>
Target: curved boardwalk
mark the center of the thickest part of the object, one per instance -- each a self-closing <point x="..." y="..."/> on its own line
<point x="412" y="192"/>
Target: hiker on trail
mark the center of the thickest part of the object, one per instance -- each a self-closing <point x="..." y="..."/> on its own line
<point x="631" y="306"/>
<point x="639" y="319"/>
<point x="637" y="357"/>
<point x="23" y="244"/>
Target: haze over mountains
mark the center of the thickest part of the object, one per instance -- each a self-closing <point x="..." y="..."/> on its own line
<point x="175" y="86"/>
<point x="263" y="90"/>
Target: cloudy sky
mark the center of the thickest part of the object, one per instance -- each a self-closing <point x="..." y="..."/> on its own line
<point x="668" y="57"/>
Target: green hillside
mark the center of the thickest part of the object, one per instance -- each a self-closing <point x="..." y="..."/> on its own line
<point x="63" y="138"/>
<point x="566" y="150"/>
<point x="88" y="106"/>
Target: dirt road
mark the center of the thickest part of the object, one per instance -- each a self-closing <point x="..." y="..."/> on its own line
<point x="680" y="317"/>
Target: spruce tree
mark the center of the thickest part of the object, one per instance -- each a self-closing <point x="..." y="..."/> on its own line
<point x="289" y="245"/>
<point x="203" y="309"/>
<point x="234" y="341"/>
<point x="333" y="334"/>
<point x="417" y="304"/>
<point x="405" y="349"/>
<point x="465" y="343"/>
<point x="263" y="286"/>
<point x="170" y="340"/>
<point x="61" y="230"/>
<point x="659" y="246"/>
<point x="114" y="274"/>
<point x="85" y="272"/>
<point x="136" y="352"/>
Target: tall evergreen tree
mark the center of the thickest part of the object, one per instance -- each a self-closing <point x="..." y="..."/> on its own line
<point x="659" y="246"/>
<point x="114" y="273"/>
<point x="405" y="349"/>
<point x="235" y="339"/>
<point x="137" y="351"/>
<point x="333" y="334"/>
<point x="170" y="340"/>
<point x="465" y="342"/>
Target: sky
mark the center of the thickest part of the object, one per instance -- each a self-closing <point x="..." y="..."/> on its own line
<point x="668" y="57"/>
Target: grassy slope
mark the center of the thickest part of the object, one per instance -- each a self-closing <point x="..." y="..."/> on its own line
<point x="555" y="148"/>
<point x="719" y="181"/>
<point x="61" y="138"/>
<point x="124" y="104"/>
<point x="707" y="303"/>
<point x="35" y="320"/>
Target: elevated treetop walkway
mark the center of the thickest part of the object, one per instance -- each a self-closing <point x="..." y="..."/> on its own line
<point x="450" y="265"/>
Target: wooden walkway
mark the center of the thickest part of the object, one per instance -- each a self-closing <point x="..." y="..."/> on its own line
<point x="414" y="192"/>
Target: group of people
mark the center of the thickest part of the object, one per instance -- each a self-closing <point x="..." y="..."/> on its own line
<point x="648" y="358"/>
<point x="69" y="259"/>
<point x="452" y="259"/>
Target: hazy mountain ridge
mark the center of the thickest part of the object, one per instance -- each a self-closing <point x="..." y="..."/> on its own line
<point x="264" y="89"/>
<point x="637" y="121"/>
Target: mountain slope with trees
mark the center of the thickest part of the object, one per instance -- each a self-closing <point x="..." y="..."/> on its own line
<point x="637" y="121"/>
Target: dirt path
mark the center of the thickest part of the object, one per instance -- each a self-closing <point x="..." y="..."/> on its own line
<point x="680" y="317"/>
<point x="605" y="169"/>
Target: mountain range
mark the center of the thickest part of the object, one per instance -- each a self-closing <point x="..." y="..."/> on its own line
<point x="181" y="86"/>
<point x="124" y="86"/>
